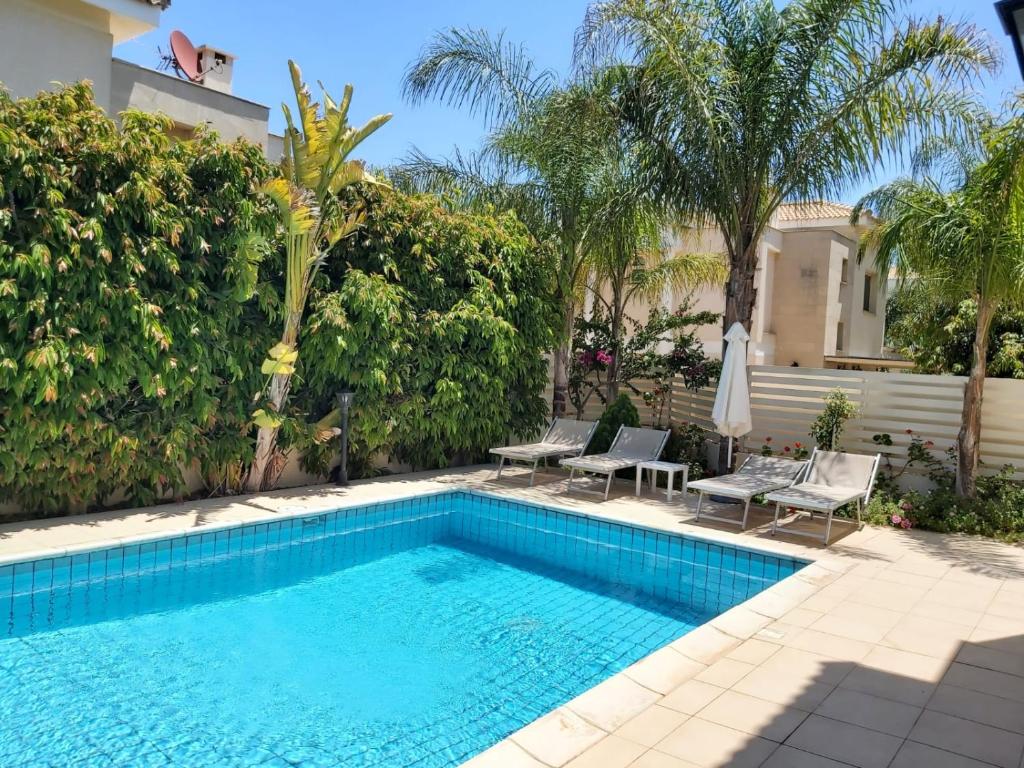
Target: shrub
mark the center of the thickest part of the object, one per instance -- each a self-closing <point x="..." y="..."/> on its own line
<point x="997" y="511"/>
<point x="438" y="320"/>
<point x="827" y="428"/>
<point x="127" y="349"/>
<point x="621" y="413"/>
<point x="686" y="445"/>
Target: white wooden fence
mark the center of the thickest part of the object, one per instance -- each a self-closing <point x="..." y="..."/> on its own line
<point x="784" y="402"/>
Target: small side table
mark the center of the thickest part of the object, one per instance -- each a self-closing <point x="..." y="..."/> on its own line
<point x="663" y="466"/>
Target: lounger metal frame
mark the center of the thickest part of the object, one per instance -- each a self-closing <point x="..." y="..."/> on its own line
<point x="828" y="510"/>
<point x="742" y="523"/>
<point x="611" y="473"/>
<point x="544" y="455"/>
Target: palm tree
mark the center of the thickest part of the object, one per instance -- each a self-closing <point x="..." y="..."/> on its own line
<point x="960" y="234"/>
<point x="739" y="105"/>
<point x="555" y="155"/>
<point x="542" y="137"/>
<point x="628" y="253"/>
<point x="314" y="171"/>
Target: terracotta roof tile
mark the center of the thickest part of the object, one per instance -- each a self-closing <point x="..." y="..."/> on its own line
<point x="813" y="210"/>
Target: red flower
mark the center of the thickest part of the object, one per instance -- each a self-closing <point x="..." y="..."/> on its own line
<point x="909" y="431"/>
<point x="786" y="449"/>
<point x="767" y="439"/>
<point x="796" y="445"/>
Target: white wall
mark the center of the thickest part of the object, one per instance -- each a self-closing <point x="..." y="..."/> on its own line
<point x="188" y="104"/>
<point x="42" y="41"/>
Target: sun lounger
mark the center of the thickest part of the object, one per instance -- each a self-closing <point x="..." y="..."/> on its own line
<point x="756" y="475"/>
<point x="630" y="447"/>
<point x="565" y="437"/>
<point x="833" y="480"/>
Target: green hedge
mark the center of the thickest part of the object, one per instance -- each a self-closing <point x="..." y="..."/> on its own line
<point x="438" y="321"/>
<point x="131" y="330"/>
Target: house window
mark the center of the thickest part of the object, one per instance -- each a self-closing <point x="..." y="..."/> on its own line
<point x="869" y="293"/>
<point x="843" y="276"/>
<point x="840" y="332"/>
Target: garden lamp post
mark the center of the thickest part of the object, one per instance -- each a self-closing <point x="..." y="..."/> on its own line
<point x="345" y="398"/>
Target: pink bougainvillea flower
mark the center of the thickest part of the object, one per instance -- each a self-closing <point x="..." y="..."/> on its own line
<point x="906" y="524"/>
<point x="603" y="357"/>
<point x="929" y="444"/>
<point x="896" y="520"/>
<point x="906" y="506"/>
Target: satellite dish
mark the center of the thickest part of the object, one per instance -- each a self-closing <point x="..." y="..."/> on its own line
<point x="183" y="58"/>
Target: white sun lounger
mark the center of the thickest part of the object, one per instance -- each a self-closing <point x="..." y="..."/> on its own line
<point x="756" y="475"/>
<point x="630" y="447"/>
<point x="565" y="437"/>
<point x="833" y="480"/>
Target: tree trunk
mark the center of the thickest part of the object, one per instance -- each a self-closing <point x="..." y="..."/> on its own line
<point x="968" y="441"/>
<point x="266" y="466"/>
<point x="560" y="395"/>
<point x="618" y="310"/>
<point x="740" y="297"/>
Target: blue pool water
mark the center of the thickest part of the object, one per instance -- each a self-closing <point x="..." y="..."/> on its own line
<point x="412" y="633"/>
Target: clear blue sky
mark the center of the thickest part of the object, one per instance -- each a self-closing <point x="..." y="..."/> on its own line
<point x="370" y="45"/>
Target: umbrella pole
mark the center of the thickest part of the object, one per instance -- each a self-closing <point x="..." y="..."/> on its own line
<point x="728" y="460"/>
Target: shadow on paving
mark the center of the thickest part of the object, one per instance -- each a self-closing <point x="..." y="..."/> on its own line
<point x="891" y="709"/>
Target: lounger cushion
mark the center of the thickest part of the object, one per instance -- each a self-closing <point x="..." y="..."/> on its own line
<point x="602" y="463"/>
<point x="739" y="486"/>
<point x="816" y="496"/>
<point x="534" y="451"/>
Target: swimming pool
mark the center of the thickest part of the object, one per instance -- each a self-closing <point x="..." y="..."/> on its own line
<point x="415" y="632"/>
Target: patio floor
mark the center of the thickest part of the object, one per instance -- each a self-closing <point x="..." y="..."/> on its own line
<point x="893" y="649"/>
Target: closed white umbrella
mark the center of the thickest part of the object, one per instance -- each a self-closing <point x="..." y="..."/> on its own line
<point x="731" y="413"/>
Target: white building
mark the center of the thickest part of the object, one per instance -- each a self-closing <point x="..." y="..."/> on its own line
<point x="63" y="41"/>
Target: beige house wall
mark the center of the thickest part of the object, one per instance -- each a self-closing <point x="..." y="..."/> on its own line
<point x="810" y="293"/>
<point x="188" y="104"/>
<point x="47" y="41"/>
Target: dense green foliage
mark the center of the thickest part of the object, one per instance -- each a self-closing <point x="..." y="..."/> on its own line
<point x="997" y="510"/>
<point x="135" y="317"/>
<point x="437" y="319"/>
<point x="127" y="350"/>
<point x="620" y="413"/>
<point x="653" y="355"/>
<point x="938" y="335"/>
<point x="827" y="427"/>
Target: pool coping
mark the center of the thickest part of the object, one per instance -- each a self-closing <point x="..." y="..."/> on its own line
<point x="570" y="729"/>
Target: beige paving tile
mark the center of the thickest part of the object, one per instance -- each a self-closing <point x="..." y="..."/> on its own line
<point x="652" y="725"/>
<point x="788" y="757"/>
<point x="971" y="596"/>
<point x="904" y="580"/>
<point x="754" y="651"/>
<point x="863" y="709"/>
<point x="833" y="646"/>
<point x="979" y="707"/>
<point x="928" y="609"/>
<point x="705" y="644"/>
<point x="557" y="737"/>
<point x="711" y="745"/>
<point x="901" y="676"/>
<point x="845" y="742"/>
<point x="725" y="672"/>
<point x="918" y="634"/>
<point x="691" y="697"/>
<point x="914" y="755"/>
<point x="758" y="717"/>
<point x="795" y="688"/>
<point x="504" y="754"/>
<point x="981" y="742"/>
<point x="883" y="594"/>
<point x="801" y="617"/>
<point x="740" y="622"/>
<point x="654" y="759"/>
<point x="609" y="752"/>
<point x="858" y="622"/>
<point x="664" y="670"/>
<point x="613" y="702"/>
<point x="986" y="680"/>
